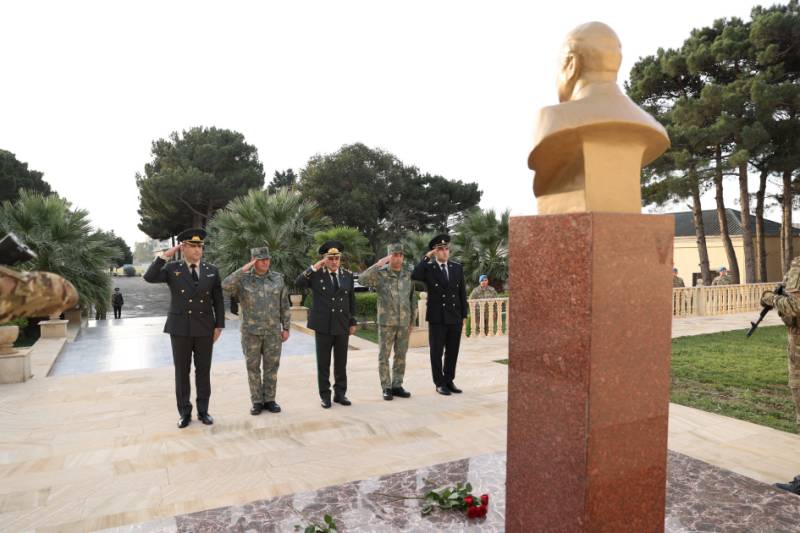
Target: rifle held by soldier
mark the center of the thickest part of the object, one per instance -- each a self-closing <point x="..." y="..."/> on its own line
<point x="764" y="310"/>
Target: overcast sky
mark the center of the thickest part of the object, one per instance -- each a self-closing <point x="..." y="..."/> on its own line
<point x="451" y="87"/>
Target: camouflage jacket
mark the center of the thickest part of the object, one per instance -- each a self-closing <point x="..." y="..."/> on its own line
<point x="787" y="304"/>
<point x="397" y="302"/>
<point x="479" y="293"/>
<point x="677" y="282"/>
<point x="263" y="300"/>
<point x="722" y="280"/>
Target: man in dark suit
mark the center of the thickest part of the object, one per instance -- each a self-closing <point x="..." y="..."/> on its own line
<point x="332" y="318"/>
<point x="447" y="310"/>
<point x="195" y="321"/>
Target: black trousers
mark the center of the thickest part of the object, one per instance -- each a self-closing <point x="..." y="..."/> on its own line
<point x="444" y="338"/>
<point x="182" y="350"/>
<point x="326" y="343"/>
<point x="117" y="311"/>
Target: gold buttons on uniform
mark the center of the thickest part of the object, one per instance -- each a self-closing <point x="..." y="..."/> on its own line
<point x="182" y="291"/>
<point x="190" y="312"/>
<point x="190" y="300"/>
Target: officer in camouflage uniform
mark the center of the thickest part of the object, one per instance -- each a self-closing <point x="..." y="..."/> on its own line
<point x="723" y="278"/>
<point x="788" y="307"/>
<point x="677" y="281"/>
<point x="30" y="294"/>
<point x="397" y="312"/>
<point x="264" y="303"/>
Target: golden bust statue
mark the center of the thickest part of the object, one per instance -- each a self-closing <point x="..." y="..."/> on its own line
<point x="589" y="150"/>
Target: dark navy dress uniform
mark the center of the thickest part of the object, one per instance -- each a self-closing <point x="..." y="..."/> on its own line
<point x="195" y="310"/>
<point x="446" y="311"/>
<point x="332" y="314"/>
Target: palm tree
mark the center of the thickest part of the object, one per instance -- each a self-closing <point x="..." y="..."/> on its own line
<point x="283" y="221"/>
<point x="416" y="245"/>
<point x="356" y="246"/>
<point x="480" y="241"/>
<point x="64" y="242"/>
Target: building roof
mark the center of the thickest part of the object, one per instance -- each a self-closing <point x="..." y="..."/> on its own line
<point x="684" y="224"/>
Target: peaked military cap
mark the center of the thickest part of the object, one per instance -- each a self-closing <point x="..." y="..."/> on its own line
<point x="262" y="252"/>
<point x="331" y="248"/>
<point x="193" y="235"/>
<point x="439" y="241"/>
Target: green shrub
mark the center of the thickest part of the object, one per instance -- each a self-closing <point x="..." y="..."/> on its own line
<point x="366" y="305"/>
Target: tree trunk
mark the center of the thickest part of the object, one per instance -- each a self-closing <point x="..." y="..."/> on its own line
<point x="747" y="232"/>
<point x="700" y="231"/>
<point x="761" y="249"/>
<point x="730" y="253"/>
<point x="787" y="220"/>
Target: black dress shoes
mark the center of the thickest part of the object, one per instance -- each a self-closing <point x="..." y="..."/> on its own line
<point x="401" y="392"/>
<point x="184" y="421"/>
<point x="256" y="409"/>
<point x="342" y="400"/>
<point x="326" y="404"/>
<point x="272" y="407"/>
<point x="452" y="388"/>
<point x="205" y="418"/>
<point x="444" y="391"/>
<point x="387" y="394"/>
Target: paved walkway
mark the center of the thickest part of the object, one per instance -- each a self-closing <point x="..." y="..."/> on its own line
<point x="134" y="343"/>
<point x="684" y="327"/>
<point x="101" y="450"/>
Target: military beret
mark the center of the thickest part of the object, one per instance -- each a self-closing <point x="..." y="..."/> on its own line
<point x="439" y="241"/>
<point x="674" y="269"/>
<point x="333" y="248"/>
<point x="262" y="252"/>
<point x="722" y="269"/>
<point x="395" y="248"/>
<point x="483" y="277"/>
<point x="195" y="235"/>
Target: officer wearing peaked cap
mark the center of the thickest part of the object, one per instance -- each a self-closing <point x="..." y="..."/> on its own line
<point x="332" y="318"/>
<point x="446" y="311"/>
<point x="195" y="321"/>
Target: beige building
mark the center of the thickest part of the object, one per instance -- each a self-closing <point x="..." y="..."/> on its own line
<point x="687" y="260"/>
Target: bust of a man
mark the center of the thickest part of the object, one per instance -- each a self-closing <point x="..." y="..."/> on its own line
<point x="589" y="150"/>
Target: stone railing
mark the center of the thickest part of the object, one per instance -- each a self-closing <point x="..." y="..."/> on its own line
<point x="495" y="311"/>
<point x="719" y="300"/>
<point x="488" y="317"/>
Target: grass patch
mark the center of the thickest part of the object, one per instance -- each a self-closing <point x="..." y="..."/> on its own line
<point x="727" y="373"/>
<point x="368" y="332"/>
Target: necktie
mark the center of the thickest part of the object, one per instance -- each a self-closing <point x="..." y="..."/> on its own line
<point x="443" y="266"/>
<point x="194" y="274"/>
<point x="335" y="281"/>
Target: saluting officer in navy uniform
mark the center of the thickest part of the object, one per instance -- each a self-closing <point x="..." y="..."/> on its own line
<point x="332" y="318"/>
<point x="447" y="310"/>
<point x="195" y="321"/>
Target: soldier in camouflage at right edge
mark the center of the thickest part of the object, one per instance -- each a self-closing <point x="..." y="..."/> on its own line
<point x="788" y="307"/>
<point x="397" y="312"/>
<point x="264" y="302"/>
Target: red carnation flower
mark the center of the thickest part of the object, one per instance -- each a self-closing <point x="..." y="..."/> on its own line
<point x="469" y="500"/>
<point x="473" y="512"/>
<point x="482" y="511"/>
<point x="485" y="499"/>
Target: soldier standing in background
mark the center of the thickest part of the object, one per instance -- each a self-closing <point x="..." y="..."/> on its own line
<point x="397" y="312"/>
<point x="677" y="281"/>
<point x="483" y="291"/>
<point x="723" y="278"/>
<point x="264" y="300"/>
<point x="116" y="302"/>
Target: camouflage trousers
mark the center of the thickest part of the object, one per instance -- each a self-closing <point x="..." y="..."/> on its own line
<point x="389" y="336"/>
<point x="260" y="349"/>
<point x="794" y="369"/>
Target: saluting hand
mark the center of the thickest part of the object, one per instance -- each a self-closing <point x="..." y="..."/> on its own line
<point x="169" y="253"/>
<point x="430" y="253"/>
<point x="319" y="264"/>
<point x="246" y="268"/>
<point x="384" y="261"/>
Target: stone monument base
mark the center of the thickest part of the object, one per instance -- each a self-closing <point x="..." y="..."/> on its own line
<point x="53" y="329"/>
<point x="588" y="380"/>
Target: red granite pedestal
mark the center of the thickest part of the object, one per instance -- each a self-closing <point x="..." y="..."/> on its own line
<point x="588" y="380"/>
